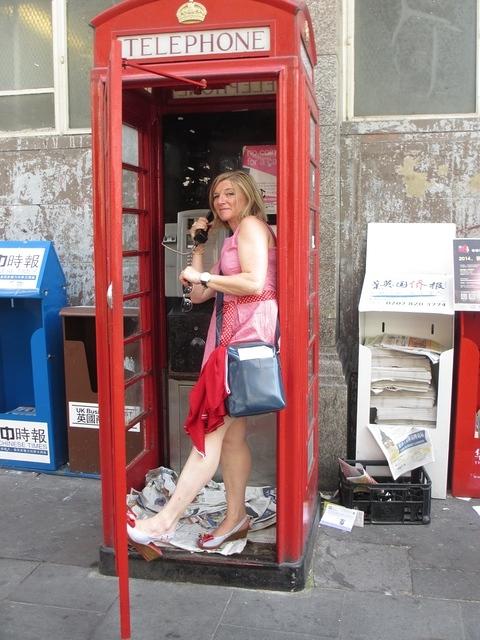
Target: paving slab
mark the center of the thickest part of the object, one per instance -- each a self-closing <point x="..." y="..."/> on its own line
<point x="57" y="518"/>
<point x="453" y="537"/>
<point x="12" y="573"/>
<point x="68" y="587"/>
<point x="451" y="584"/>
<point x="449" y="541"/>
<point x="311" y="612"/>
<point x="347" y="564"/>
<point x="378" y="617"/>
<point x="471" y="620"/>
<point x="228" y="632"/>
<point x="36" y="622"/>
<point x="168" y="610"/>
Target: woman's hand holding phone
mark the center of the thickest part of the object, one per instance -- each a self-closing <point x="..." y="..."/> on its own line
<point x="199" y="229"/>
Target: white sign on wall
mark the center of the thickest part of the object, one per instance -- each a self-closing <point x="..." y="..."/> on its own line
<point x="85" y="415"/>
<point x="384" y="291"/>
<point x="196" y="43"/>
<point x="24" y="441"/>
<point x="466" y="263"/>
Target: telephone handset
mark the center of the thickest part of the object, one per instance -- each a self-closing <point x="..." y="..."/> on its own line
<point x="201" y="236"/>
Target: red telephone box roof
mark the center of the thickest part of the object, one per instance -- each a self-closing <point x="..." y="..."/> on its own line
<point x="293" y="6"/>
<point x="138" y="15"/>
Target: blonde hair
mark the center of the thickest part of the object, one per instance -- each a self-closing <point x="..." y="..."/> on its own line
<point x="247" y="185"/>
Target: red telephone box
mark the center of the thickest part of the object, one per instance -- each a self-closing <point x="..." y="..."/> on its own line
<point x="158" y="65"/>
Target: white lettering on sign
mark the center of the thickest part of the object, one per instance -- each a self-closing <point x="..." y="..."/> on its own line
<point x="196" y="43"/>
<point x="86" y="415"/>
<point x="431" y="293"/>
<point x="20" y="267"/>
<point x="83" y="414"/>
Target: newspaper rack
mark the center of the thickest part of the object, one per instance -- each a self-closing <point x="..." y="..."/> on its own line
<point x="408" y="290"/>
<point x="32" y="418"/>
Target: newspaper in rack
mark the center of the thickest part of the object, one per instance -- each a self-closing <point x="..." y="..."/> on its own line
<point x="356" y="474"/>
<point x="404" y="447"/>
<point x="408" y="344"/>
<point x="402" y="387"/>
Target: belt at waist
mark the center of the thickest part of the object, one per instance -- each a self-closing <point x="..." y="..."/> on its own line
<point x="228" y="312"/>
<point x="270" y="294"/>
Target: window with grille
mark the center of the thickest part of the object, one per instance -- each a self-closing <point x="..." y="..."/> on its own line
<point x="412" y="57"/>
<point x="45" y="64"/>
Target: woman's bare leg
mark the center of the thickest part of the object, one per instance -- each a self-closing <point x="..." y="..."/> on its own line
<point x="236" y="461"/>
<point x="195" y="474"/>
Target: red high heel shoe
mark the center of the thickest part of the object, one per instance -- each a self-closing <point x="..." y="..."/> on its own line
<point x="209" y="542"/>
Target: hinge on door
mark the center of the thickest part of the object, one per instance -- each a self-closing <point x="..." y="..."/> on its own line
<point x="110" y="295"/>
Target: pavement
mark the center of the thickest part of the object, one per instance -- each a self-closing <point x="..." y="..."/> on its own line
<point x="380" y="582"/>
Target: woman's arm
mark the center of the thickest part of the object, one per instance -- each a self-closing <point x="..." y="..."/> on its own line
<point x="199" y="292"/>
<point x="253" y="239"/>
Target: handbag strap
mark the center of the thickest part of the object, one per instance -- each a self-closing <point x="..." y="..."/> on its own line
<point x="219" y="317"/>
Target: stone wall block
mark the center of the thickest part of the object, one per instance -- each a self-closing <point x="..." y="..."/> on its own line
<point x="333" y="419"/>
<point x="466" y="213"/>
<point x="328" y="271"/>
<point x="61" y="176"/>
<point x="328" y="160"/>
<point x="70" y="228"/>
<point x="324" y="17"/>
<point x="326" y="79"/>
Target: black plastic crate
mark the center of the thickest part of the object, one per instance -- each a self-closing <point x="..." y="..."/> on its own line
<point x="405" y="500"/>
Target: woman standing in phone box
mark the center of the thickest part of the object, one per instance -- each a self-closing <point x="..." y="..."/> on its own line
<point x="246" y="275"/>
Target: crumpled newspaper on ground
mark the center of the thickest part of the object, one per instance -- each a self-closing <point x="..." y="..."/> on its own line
<point x="205" y="513"/>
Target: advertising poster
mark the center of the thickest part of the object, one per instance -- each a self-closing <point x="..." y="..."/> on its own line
<point x="466" y="259"/>
<point x="260" y="162"/>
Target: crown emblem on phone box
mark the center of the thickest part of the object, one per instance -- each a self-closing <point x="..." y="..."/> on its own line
<point x="191" y="12"/>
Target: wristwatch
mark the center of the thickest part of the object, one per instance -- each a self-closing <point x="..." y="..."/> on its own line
<point x="205" y="278"/>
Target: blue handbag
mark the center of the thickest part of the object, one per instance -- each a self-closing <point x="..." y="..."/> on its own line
<point x="254" y="374"/>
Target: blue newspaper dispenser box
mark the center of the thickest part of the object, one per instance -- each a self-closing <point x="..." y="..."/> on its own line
<point x="32" y="396"/>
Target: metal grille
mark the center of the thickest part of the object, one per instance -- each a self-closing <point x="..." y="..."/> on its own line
<point x="26" y="34"/>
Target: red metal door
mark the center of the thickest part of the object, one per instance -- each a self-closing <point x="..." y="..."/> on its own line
<point x="124" y="195"/>
<point x="109" y="316"/>
<point x="124" y="284"/>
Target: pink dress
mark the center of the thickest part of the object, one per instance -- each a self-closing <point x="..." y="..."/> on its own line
<point x="251" y="320"/>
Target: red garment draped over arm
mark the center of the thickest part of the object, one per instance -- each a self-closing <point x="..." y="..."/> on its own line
<point x="207" y="400"/>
